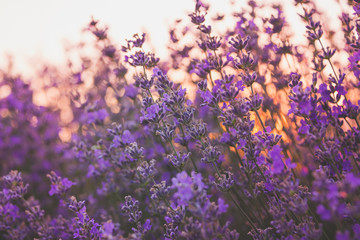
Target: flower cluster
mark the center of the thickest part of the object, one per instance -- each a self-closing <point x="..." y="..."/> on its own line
<point x="239" y="134"/>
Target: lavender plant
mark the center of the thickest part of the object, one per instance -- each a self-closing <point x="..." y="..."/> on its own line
<point x="259" y="141"/>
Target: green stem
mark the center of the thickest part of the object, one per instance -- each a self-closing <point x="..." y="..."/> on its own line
<point x="357" y="123"/>
<point x="262" y="124"/>
<point x="243" y="212"/>
<point x="257" y="114"/>
<point x="349" y="124"/>
<point x="187" y="149"/>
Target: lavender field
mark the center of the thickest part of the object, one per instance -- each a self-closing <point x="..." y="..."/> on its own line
<point x="241" y="132"/>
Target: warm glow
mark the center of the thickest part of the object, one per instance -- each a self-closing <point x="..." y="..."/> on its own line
<point x="37" y="31"/>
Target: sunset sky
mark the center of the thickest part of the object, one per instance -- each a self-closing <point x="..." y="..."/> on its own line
<point x="36" y="31"/>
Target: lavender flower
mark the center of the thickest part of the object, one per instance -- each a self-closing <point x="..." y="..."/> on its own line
<point x="131" y="209"/>
<point x="255" y="139"/>
<point x="59" y="186"/>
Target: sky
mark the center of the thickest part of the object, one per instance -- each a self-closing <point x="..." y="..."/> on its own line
<point x="35" y="31"/>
